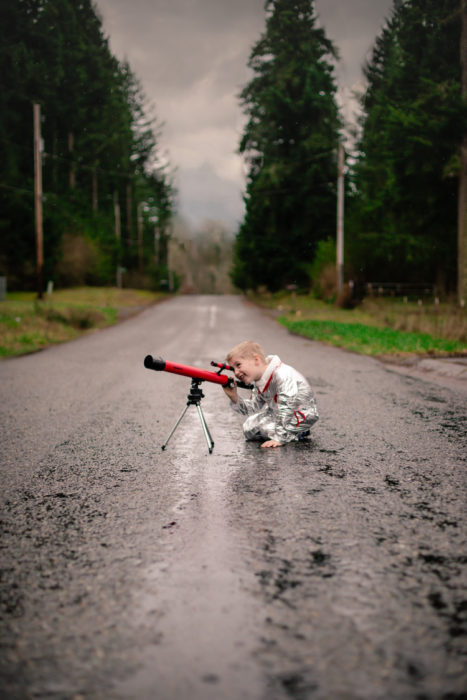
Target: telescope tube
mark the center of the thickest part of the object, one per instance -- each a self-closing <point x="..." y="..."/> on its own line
<point x="161" y="365"/>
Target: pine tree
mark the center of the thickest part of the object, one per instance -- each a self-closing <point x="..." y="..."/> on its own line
<point x="406" y="176"/>
<point x="289" y="143"/>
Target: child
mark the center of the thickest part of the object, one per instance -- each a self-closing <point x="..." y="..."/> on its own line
<point x="282" y="407"/>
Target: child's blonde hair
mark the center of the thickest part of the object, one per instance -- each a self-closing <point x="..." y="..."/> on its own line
<point x="248" y="348"/>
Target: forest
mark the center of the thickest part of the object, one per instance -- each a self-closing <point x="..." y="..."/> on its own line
<point x="109" y="200"/>
<point x="404" y="168"/>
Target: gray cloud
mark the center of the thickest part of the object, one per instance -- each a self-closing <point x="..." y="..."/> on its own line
<point x="205" y="195"/>
<point x="352" y="26"/>
<point x="191" y="57"/>
<point x="175" y="43"/>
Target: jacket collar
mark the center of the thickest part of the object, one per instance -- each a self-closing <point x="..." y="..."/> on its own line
<point x="273" y="363"/>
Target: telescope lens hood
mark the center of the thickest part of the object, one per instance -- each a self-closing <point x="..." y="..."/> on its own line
<point x="158" y="364"/>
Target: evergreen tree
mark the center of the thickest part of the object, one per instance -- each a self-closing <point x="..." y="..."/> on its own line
<point x="98" y="141"/>
<point x="290" y="144"/>
<point x="404" y="221"/>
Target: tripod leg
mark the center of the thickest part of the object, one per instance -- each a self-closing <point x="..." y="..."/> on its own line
<point x="175" y="427"/>
<point x="207" y="434"/>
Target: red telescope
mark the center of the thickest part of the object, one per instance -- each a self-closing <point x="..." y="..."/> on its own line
<point x="196" y="373"/>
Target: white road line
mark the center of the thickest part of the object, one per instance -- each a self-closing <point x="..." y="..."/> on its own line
<point x="212" y="316"/>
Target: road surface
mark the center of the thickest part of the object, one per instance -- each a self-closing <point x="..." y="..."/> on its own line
<point x="334" y="568"/>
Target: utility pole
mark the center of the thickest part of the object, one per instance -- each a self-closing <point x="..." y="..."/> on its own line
<point x="38" y="198"/>
<point x="340" y="218"/>
<point x="118" y="235"/>
<point x="140" y="235"/>
<point x="462" y="200"/>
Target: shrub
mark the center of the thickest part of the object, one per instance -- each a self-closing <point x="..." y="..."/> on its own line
<point x="322" y="271"/>
<point x="78" y="261"/>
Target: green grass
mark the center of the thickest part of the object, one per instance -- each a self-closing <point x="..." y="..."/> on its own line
<point x="377" y="326"/>
<point x="28" y="325"/>
<point x="372" y="340"/>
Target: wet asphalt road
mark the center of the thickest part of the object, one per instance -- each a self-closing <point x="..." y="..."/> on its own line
<point x="330" y="569"/>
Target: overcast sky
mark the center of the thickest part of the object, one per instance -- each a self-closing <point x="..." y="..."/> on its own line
<point x="191" y="58"/>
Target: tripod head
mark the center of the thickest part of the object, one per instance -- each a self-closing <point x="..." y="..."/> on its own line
<point x="195" y="394"/>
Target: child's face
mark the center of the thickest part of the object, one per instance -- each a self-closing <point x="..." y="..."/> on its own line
<point x="248" y="369"/>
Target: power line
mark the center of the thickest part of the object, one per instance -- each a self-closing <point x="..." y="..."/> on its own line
<point x="311" y="158"/>
<point x="79" y="164"/>
<point x="15" y="189"/>
<point x="285" y="190"/>
<point x="92" y="168"/>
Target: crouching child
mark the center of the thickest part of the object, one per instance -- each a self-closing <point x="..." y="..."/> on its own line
<point x="282" y="407"/>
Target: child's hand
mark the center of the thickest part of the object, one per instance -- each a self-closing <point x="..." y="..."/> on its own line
<point x="231" y="392"/>
<point x="271" y="443"/>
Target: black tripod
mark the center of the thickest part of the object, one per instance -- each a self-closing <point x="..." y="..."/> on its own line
<point x="194" y="399"/>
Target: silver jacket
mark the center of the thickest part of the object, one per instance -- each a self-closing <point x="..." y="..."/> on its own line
<point x="281" y="406"/>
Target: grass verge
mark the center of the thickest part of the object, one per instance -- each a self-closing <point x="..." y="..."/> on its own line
<point x="379" y="327"/>
<point x="28" y="325"/>
<point x="371" y="340"/>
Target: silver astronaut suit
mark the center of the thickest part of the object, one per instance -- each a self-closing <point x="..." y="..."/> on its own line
<point x="282" y="406"/>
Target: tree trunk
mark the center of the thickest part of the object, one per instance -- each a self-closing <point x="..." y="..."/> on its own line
<point x="72" y="175"/>
<point x="129" y="227"/>
<point x="54" y="162"/>
<point x="95" y="197"/>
